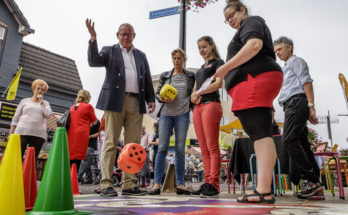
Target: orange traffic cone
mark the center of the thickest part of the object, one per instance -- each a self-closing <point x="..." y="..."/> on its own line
<point x="74" y="182"/>
<point x="29" y="178"/>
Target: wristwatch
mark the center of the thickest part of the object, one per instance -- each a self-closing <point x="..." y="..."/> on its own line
<point x="310" y="105"/>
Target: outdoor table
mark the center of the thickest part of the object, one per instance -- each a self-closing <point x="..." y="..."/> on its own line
<point x="244" y="147"/>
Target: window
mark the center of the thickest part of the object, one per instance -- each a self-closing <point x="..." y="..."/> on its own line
<point x="2" y="40"/>
<point x="2" y="37"/>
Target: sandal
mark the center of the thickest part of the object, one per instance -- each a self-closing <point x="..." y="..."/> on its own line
<point x="261" y="200"/>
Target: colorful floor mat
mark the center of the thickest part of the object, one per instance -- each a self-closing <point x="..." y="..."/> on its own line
<point x="168" y="205"/>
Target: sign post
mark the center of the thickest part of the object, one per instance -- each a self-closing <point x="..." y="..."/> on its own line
<point x="172" y="11"/>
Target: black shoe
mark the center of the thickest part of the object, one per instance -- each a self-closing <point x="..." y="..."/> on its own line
<point x="201" y="188"/>
<point x="109" y="191"/>
<point x="135" y="191"/>
<point x="155" y="192"/>
<point x="210" y="191"/>
<point x="182" y="192"/>
<point x="80" y="180"/>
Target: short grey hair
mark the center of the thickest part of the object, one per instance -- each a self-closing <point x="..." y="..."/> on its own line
<point x="126" y="25"/>
<point x="285" y="41"/>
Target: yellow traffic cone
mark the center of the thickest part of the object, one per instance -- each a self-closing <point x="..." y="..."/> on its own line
<point x="11" y="179"/>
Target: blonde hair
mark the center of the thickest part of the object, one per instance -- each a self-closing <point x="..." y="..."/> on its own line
<point x="180" y="51"/>
<point x="39" y="82"/>
<point x="83" y="96"/>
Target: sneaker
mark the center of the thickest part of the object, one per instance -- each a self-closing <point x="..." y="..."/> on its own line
<point x="109" y="191"/>
<point x="210" y="191"/>
<point x="310" y="190"/>
<point x="318" y="196"/>
<point x="135" y="191"/>
<point x="201" y="188"/>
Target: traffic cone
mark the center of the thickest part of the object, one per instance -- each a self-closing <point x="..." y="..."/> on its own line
<point x="29" y="178"/>
<point x="74" y="182"/>
<point x="11" y="179"/>
<point x="55" y="192"/>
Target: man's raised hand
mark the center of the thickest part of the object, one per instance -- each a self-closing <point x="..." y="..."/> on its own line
<point x="90" y="27"/>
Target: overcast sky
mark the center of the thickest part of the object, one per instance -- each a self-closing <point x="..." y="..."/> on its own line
<point x="317" y="27"/>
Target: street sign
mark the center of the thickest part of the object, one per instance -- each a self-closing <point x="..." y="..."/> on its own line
<point x="322" y="119"/>
<point x="164" y="12"/>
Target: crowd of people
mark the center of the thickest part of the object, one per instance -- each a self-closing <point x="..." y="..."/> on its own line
<point x="252" y="78"/>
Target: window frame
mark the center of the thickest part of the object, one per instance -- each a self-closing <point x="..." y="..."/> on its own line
<point x="3" y="40"/>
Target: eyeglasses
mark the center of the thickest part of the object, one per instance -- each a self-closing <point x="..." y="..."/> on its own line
<point x="126" y="34"/>
<point x="40" y="89"/>
<point x="227" y="20"/>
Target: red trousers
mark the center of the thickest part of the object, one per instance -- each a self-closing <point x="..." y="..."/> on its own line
<point x="206" y="121"/>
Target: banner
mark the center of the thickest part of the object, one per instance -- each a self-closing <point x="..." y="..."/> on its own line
<point x="7" y="111"/>
<point x="12" y="90"/>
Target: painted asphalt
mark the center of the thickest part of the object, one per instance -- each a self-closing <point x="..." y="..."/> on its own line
<point x="170" y="203"/>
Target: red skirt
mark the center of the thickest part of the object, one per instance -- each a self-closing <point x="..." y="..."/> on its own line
<point x="256" y="92"/>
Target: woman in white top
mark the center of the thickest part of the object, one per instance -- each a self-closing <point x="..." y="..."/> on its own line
<point x="30" y="118"/>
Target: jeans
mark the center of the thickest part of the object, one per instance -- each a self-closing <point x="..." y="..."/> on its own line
<point x="206" y="121"/>
<point x="166" y="124"/>
<point x="295" y="139"/>
<point x="86" y="165"/>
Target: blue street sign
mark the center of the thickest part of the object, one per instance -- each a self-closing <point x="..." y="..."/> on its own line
<point x="164" y="12"/>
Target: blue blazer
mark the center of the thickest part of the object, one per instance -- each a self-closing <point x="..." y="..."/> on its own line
<point x="112" y="94"/>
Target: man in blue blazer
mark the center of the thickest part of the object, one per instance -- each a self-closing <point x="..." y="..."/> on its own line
<point x="127" y="86"/>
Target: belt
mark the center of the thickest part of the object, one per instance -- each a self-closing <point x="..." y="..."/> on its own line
<point x="131" y="94"/>
<point x="208" y="102"/>
<point x="295" y="96"/>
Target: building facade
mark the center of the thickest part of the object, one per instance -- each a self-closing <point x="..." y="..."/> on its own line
<point x="59" y="72"/>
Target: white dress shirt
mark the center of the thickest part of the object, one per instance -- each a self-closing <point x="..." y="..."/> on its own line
<point x="130" y="70"/>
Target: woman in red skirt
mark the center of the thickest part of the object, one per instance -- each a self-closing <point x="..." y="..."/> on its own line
<point x="253" y="79"/>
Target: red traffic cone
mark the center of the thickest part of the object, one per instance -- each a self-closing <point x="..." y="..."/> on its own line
<point x="29" y="178"/>
<point x="74" y="182"/>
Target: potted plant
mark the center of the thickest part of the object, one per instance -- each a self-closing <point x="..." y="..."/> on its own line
<point x="314" y="139"/>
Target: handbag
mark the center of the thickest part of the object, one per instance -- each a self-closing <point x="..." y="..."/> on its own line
<point x="64" y="120"/>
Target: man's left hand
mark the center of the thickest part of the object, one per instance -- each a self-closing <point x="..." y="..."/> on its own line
<point x="312" y="116"/>
<point x="151" y="106"/>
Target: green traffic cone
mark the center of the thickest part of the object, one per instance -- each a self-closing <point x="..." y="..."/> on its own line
<point x="55" y="192"/>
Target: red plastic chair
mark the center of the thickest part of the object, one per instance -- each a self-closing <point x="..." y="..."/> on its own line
<point x="226" y="164"/>
<point x="337" y="160"/>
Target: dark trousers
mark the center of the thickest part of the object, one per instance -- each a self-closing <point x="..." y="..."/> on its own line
<point x="77" y="162"/>
<point x="302" y="164"/>
<point x="86" y="165"/>
<point x="32" y="141"/>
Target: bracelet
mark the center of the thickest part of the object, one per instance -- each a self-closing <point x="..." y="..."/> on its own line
<point x="310" y="105"/>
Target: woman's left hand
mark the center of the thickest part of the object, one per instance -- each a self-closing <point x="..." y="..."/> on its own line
<point x="195" y="98"/>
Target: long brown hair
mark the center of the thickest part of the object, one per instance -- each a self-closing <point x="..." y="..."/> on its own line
<point x="211" y="42"/>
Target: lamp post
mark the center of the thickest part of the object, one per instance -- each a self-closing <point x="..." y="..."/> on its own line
<point x="182" y="30"/>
